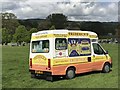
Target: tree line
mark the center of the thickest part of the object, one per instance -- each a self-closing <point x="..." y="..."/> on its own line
<point x="15" y="30"/>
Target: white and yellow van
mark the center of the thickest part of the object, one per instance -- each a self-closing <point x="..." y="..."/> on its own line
<point x="64" y="52"/>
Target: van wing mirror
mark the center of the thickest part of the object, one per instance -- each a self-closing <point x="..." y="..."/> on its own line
<point x="106" y="52"/>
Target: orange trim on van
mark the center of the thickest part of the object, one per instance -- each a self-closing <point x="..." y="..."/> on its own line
<point x="39" y="67"/>
<point x="80" y="68"/>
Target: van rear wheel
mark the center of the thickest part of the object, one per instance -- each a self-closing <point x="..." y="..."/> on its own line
<point x="106" y="68"/>
<point x="70" y="73"/>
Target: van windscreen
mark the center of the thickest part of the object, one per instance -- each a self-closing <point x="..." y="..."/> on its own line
<point x="41" y="46"/>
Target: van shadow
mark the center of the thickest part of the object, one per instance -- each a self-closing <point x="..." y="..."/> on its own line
<point x="59" y="78"/>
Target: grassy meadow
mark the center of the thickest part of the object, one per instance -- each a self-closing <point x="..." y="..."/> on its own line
<point x="15" y="72"/>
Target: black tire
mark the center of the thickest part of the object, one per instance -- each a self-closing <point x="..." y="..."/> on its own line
<point x="70" y="73"/>
<point x="33" y="75"/>
<point x="106" y="68"/>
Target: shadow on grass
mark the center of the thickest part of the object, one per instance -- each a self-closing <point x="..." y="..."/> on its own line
<point x="59" y="78"/>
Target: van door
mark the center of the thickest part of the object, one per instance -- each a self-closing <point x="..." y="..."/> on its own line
<point x="98" y="56"/>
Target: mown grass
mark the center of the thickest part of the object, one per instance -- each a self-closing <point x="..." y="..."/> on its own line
<point x="15" y="72"/>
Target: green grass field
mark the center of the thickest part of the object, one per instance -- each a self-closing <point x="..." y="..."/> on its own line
<point x="15" y="72"/>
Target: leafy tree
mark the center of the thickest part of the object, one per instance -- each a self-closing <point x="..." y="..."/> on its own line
<point x="30" y="23"/>
<point x="73" y="26"/>
<point x="97" y="27"/>
<point x="58" y="20"/>
<point x="118" y="32"/>
<point x="20" y="34"/>
<point x="27" y="38"/>
<point x="8" y="16"/>
<point x="52" y="27"/>
<point x="32" y="30"/>
<point x="0" y="36"/>
<point x="44" y="25"/>
<point x="10" y="22"/>
<point x="6" y="37"/>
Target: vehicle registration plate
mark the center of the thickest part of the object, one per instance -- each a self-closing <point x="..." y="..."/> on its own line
<point x="39" y="72"/>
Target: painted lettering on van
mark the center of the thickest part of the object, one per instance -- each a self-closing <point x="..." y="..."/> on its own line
<point x="40" y="57"/>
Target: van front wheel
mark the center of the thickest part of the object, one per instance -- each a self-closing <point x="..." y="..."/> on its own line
<point x="70" y="73"/>
<point x="106" y="68"/>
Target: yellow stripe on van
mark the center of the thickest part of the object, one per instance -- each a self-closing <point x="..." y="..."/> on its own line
<point x="42" y="36"/>
<point x="93" y="36"/>
<point x="66" y="60"/>
<point x="77" y="34"/>
<point x="62" y="35"/>
<point x="49" y="36"/>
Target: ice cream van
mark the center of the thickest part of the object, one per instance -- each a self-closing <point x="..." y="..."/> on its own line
<point x="66" y="53"/>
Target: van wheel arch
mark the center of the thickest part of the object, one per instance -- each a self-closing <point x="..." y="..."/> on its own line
<point x="71" y="67"/>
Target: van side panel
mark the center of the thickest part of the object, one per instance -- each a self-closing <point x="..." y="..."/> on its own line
<point x="100" y="64"/>
<point x="80" y="68"/>
<point x="60" y="65"/>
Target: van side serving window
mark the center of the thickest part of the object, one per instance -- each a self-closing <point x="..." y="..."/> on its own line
<point x="60" y="43"/>
<point x="41" y="46"/>
<point x="97" y="49"/>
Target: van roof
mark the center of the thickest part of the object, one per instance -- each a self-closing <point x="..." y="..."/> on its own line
<point x="62" y="31"/>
